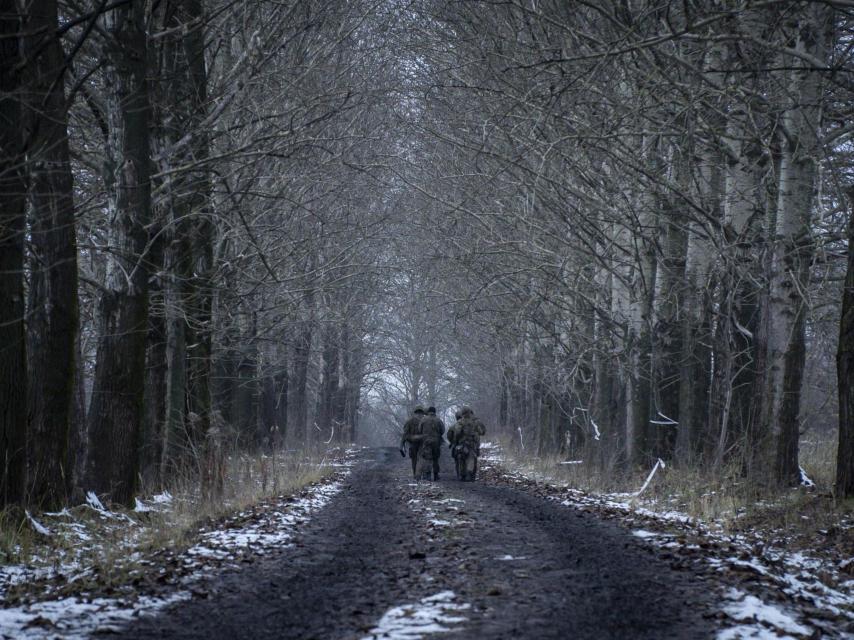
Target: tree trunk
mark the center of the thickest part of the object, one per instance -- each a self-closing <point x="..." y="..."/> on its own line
<point x="845" y="374"/>
<point x="281" y="396"/>
<point x="53" y="316"/>
<point x="13" y="345"/>
<point x="792" y="251"/>
<point x="297" y="389"/>
<point x="176" y="452"/>
<point x="78" y="441"/>
<point x="201" y="228"/>
<point x="116" y="408"/>
<point x="328" y="391"/>
<point x="696" y="319"/>
<point x="156" y="375"/>
<point x="184" y="149"/>
<point x="668" y="335"/>
<point x="267" y="435"/>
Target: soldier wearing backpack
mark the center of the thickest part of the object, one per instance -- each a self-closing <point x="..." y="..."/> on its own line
<point x="464" y="437"/>
<point x="411" y="431"/>
<point x="432" y="429"/>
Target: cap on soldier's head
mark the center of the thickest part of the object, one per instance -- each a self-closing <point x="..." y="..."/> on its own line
<point x="418" y="409"/>
<point x="464" y="411"/>
<point x="431" y="410"/>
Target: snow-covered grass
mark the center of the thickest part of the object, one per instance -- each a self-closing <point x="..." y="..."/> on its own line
<point x="95" y="549"/>
<point x="720" y="498"/>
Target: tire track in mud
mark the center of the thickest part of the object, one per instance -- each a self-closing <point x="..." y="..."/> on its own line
<point x="386" y="552"/>
<point x="534" y="569"/>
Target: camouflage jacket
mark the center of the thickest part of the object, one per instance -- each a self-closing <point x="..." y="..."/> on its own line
<point x="411" y="428"/>
<point x="454" y="432"/>
<point x="469" y="429"/>
<point x="432" y="428"/>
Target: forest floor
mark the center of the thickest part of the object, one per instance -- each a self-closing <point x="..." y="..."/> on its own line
<point x="368" y="553"/>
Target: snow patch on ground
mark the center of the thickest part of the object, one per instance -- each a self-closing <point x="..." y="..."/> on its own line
<point x="440" y="523"/>
<point x="765" y="620"/>
<point x="642" y="533"/>
<point x="70" y="618"/>
<point x="439" y="511"/>
<point x="435" y="614"/>
<point x="269" y="530"/>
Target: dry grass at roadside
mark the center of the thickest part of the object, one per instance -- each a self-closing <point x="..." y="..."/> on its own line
<point x="722" y="499"/>
<point x="92" y="547"/>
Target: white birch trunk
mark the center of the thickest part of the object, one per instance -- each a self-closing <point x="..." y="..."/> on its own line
<point x="792" y="252"/>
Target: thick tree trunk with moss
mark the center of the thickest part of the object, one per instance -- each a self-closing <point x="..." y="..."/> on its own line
<point x="13" y="345"/>
<point x="116" y="408"/>
<point x="52" y="317"/>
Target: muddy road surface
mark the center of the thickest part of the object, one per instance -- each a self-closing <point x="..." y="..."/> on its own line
<point x="391" y="558"/>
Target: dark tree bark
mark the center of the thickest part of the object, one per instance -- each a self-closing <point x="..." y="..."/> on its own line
<point x="245" y="399"/>
<point x="53" y="312"/>
<point x="693" y="390"/>
<point x="845" y="374"/>
<point x="116" y="409"/>
<point x="281" y="391"/>
<point x="77" y="443"/>
<point x="13" y="346"/>
<point x="668" y="335"/>
<point x="156" y="372"/>
<point x="202" y="228"/>
<point x="267" y="426"/>
<point x="184" y="149"/>
<point x="326" y="416"/>
<point x="298" y="379"/>
<point x="176" y="445"/>
<point x="298" y="400"/>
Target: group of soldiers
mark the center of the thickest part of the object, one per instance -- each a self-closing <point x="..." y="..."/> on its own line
<point x="423" y="433"/>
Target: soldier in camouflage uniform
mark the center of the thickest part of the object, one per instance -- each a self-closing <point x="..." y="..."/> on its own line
<point x="432" y="429"/>
<point x="411" y="435"/>
<point x="453" y="431"/>
<point x="465" y="434"/>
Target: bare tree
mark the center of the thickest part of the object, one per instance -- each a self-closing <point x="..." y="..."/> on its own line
<point x="13" y="363"/>
<point x="52" y="320"/>
<point x="116" y="407"/>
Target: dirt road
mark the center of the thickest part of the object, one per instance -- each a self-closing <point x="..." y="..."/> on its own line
<point x="388" y="556"/>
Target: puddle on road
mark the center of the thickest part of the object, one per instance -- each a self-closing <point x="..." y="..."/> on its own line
<point x="434" y="614"/>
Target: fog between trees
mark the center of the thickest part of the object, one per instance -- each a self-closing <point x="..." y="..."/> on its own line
<point x="619" y="230"/>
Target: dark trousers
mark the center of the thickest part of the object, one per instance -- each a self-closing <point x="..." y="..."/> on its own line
<point x="437" y="451"/>
<point x="413" y="454"/>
